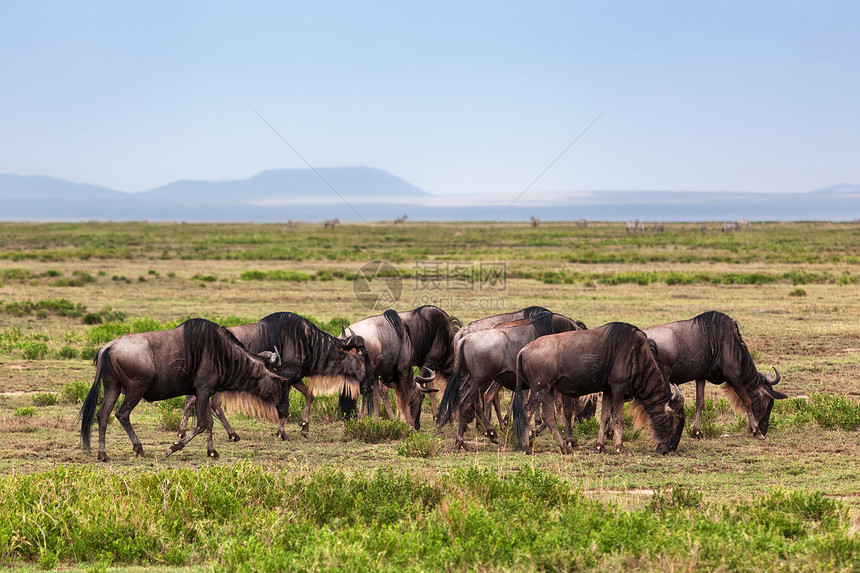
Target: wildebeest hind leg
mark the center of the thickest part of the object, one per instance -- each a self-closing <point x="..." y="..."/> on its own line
<point x="548" y="412"/>
<point x="190" y="401"/>
<point x="111" y="394"/>
<point x="123" y="415"/>
<point x="700" y="405"/>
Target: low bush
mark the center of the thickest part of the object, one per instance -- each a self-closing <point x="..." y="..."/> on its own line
<point x="420" y="445"/>
<point x="75" y="392"/>
<point x="45" y="399"/>
<point x="25" y="412"/>
<point x="374" y="430"/>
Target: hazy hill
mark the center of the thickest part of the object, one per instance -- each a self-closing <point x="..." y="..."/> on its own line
<point x="363" y="194"/>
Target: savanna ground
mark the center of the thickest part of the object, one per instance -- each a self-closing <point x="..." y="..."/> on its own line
<point x="793" y="288"/>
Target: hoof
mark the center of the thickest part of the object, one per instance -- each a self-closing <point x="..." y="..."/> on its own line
<point x="213" y="454"/>
<point x="181" y="435"/>
<point x="571" y="444"/>
<point x="304" y="427"/>
<point x="103" y="457"/>
<point x="601" y="449"/>
<point x="460" y="444"/>
<point x="493" y="437"/>
<point x="697" y="433"/>
<point x="234" y="437"/>
<point x="282" y="435"/>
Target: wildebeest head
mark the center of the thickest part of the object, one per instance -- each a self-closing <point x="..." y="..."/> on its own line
<point x="669" y="427"/>
<point x="762" y="398"/>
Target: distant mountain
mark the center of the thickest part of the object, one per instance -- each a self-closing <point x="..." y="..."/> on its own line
<point x="41" y="187"/>
<point x="289" y="183"/>
<point x="363" y="194"/>
<point x="842" y="188"/>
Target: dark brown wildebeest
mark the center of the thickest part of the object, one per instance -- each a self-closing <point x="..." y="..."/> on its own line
<point x="331" y="365"/>
<point x="615" y="359"/>
<point x="197" y="357"/>
<point x="392" y="355"/>
<point x="490" y="322"/>
<point x="487" y="361"/>
<point x="709" y="347"/>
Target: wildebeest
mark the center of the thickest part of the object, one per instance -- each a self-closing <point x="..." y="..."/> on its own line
<point x="488" y="356"/>
<point x="490" y="322"/>
<point x="615" y="359"/>
<point x="392" y="354"/>
<point x="197" y="357"/>
<point x="731" y="227"/>
<point x="331" y="365"/>
<point x="658" y="227"/>
<point x="400" y="220"/>
<point x="331" y="223"/>
<point x="709" y="347"/>
<point x="535" y="222"/>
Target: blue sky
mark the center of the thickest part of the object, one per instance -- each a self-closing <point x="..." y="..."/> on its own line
<point x="455" y="97"/>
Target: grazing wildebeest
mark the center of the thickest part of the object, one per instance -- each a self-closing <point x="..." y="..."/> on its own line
<point x="703" y="227"/>
<point x="582" y="223"/>
<point x="658" y="227"/>
<point x="709" y="347"/>
<point x="391" y="351"/>
<point x="731" y="227"/>
<point x="331" y="365"/>
<point x="331" y="223"/>
<point x="535" y="222"/>
<point x="400" y="220"/>
<point x="615" y="359"/>
<point x="488" y="356"/>
<point x="197" y="357"/>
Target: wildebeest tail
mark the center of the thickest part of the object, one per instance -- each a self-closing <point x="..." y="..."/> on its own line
<point x="450" y="398"/>
<point x="394" y="320"/>
<point x="88" y="410"/>
<point x="517" y="403"/>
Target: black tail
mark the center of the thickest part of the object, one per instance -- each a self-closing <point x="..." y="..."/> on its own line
<point x="450" y="398"/>
<point x="88" y="410"/>
<point x="517" y="404"/>
<point x="348" y="406"/>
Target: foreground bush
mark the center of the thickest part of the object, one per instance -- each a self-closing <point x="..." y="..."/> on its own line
<point x="247" y="518"/>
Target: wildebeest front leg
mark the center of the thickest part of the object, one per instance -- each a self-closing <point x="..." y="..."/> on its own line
<point x="218" y="410"/>
<point x="283" y="409"/>
<point x="700" y="405"/>
<point x="204" y="424"/>
<point x="190" y="401"/>
<point x="306" y="415"/>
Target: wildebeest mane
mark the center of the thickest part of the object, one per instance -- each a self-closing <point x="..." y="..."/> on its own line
<point x="530" y="311"/>
<point x="433" y="328"/>
<point x="542" y="323"/>
<point x="229" y="357"/>
<point x="299" y="339"/>
<point x="721" y="329"/>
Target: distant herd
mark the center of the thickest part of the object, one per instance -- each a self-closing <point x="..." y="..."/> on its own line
<point x="553" y="365"/>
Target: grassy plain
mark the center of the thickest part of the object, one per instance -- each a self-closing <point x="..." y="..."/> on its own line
<point x="793" y="288"/>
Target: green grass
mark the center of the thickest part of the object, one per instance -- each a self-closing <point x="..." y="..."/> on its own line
<point x="247" y="518"/>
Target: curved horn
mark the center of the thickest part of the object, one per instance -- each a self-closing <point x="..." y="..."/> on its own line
<point x="676" y="392"/>
<point x="770" y="379"/>
<point x="342" y="331"/>
<point x="275" y="359"/>
<point x="425" y="378"/>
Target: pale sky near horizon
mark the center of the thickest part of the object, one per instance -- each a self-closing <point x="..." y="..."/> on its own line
<point x="454" y="97"/>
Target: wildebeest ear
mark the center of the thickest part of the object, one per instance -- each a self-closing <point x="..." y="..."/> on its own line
<point x="775" y="394"/>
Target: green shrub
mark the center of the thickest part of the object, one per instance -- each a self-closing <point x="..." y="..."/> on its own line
<point x="797" y="292"/>
<point x="34" y="350"/>
<point x="420" y="445"/>
<point x="45" y="399"/>
<point x="276" y="275"/>
<point x="89" y="352"/>
<point x="835" y="412"/>
<point x="75" y="392"/>
<point x="25" y="411"/>
<point x="92" y="318"/>
<point x="375" y="430"/>
<point x="170" y="412"/>
<point x="67" y="353"/>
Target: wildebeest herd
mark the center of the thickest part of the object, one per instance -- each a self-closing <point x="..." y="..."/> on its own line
<point x="549" y="361"/>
